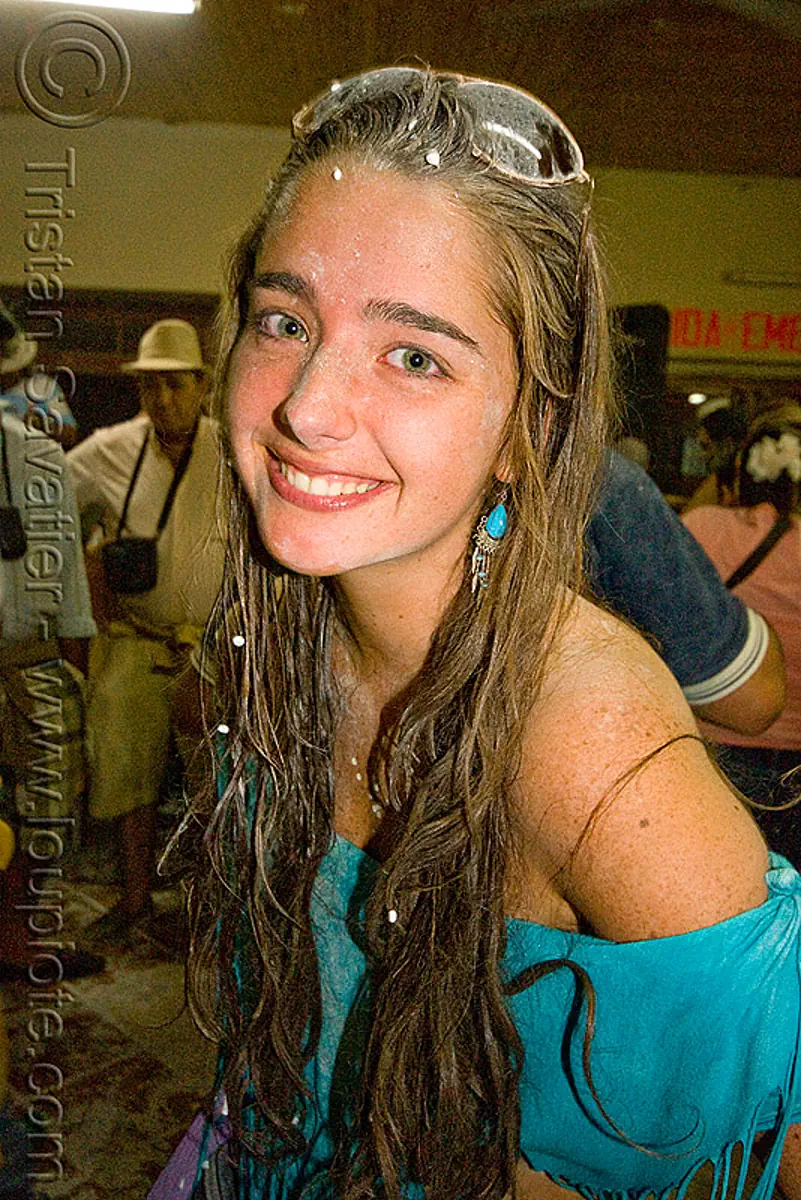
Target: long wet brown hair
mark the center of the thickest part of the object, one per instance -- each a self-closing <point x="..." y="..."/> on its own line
<point x="438" y="1100"/>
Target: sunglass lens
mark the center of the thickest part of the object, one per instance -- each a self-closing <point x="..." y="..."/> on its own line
<point x="514" y="130"/>
<point x="352" y="91"/>
<point x="520" y="135"/>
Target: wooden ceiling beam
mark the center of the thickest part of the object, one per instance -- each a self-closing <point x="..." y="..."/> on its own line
<point x="783" y="16"/>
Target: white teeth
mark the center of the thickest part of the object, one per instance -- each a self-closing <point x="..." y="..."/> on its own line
<point x="318" y="485"/>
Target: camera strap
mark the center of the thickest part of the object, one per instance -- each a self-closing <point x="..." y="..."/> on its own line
<point x="774" y="534"/>
<point x="180" y="471"/>
<point x="6" y="472"/>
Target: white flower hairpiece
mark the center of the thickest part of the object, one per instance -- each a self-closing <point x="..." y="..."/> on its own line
<point x="769" y="457"/>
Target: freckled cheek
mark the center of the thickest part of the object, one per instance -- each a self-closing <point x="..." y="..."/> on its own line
<point x="238" y="422"/>
<point x="243" y="422"/>
<point x="241" y="412"/>
<point x="244" y="461"/>
<point x="494" y="414"/>
<point x="253" y="397"/>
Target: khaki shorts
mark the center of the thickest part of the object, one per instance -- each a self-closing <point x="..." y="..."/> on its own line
<point x="134" y="682"/>
<point x="41" y="736"/>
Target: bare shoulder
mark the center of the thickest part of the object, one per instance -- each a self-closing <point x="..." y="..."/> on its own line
<point x="617" y="797"/>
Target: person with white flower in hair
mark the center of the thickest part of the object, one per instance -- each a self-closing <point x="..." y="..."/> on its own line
<point x="756" y="546"/>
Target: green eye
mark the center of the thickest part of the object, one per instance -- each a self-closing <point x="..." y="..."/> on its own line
<point x="281" y="325"/>
<point x="414" y="361"/>
<point x="291" y="328"/>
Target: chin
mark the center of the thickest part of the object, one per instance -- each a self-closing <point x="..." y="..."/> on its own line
<point x="304" y="558"/>
<point x="314" y="568"/>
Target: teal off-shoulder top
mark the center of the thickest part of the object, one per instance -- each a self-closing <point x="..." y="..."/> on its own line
<point x="695" y="1050"/>
<point x="695" y="1047"/>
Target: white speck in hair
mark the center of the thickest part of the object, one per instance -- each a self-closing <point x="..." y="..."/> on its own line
<point x="392" y="916"/>
<point x="359" y="776"/>
<point x="238" y="640"/>
<point x="337" y="173"/>
<point x="354" y="761"/>
<point x="223" y="729"/>
<point x="433" y="158"/>
<point x="412" y="124"/>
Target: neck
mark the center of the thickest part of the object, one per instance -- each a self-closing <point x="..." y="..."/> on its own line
<point x="391" y="612"/>
<point x="174" y="444"/>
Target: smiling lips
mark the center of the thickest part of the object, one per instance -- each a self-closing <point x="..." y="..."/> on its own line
<point x="321" y="492"/>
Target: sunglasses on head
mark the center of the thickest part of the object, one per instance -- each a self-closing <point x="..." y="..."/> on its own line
<point x="514" y="132"/>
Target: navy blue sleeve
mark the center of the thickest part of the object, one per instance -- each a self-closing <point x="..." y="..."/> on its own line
<point x="644" y="564"/>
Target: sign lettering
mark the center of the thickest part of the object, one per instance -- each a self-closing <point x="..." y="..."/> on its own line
<point x="766" y="334"/>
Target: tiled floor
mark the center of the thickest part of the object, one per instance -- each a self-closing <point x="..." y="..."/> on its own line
<point x="128" y="1068"/>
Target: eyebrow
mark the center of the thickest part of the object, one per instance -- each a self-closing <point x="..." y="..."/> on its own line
<point x="284" y="281"/>
<point x="400" y="313"/>
<point x="396" y="311"/>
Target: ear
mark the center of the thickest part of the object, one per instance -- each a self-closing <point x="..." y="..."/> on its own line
<point x="503" y="469"/>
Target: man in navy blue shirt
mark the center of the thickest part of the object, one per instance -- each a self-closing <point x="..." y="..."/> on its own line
<point x="644" y="564"/>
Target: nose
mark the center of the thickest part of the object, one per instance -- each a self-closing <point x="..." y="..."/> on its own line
<point x="320" y="409"/>
<point x="155" y="389"/>
<point x="164" y="391"/>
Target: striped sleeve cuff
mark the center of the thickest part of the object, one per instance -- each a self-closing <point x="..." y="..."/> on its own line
<point x="739" y="669"/>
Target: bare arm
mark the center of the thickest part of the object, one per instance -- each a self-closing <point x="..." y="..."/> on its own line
<point x="669" y="850"/>
<point x="790" y="1169"/>
<point x="535" y="1185"/>
<point x="756" y="703"/>
<point x="621" y="806"/>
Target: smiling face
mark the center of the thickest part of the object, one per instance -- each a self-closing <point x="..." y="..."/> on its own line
<point x="369" y="388"/>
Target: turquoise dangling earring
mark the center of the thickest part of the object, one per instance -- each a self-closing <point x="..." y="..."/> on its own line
<point x="488" y="536"/>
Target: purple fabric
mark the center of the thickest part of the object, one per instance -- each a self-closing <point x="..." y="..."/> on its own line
<point x="177" y="1180"/>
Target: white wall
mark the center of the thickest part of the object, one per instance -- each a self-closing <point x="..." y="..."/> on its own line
<point x="156" y="206"/>
<point x="678" y="239"/>
<point x="671" y="237"/>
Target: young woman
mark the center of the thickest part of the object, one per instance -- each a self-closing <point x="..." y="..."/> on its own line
<point x="766" y="515"/>
<point x="471" y="911"/>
